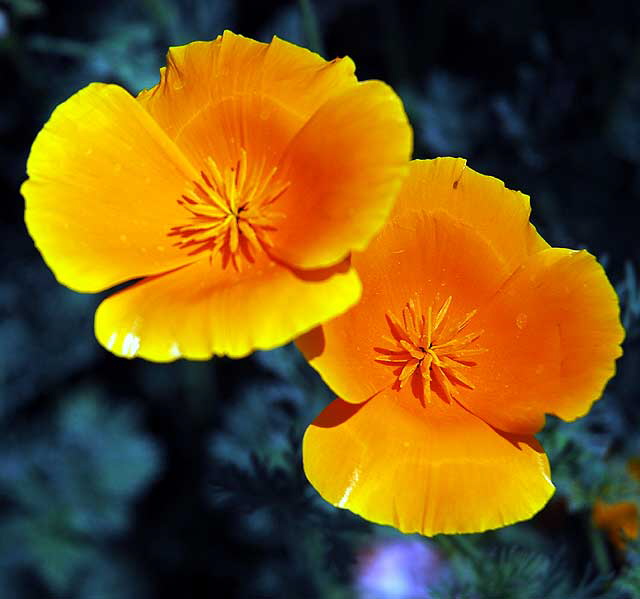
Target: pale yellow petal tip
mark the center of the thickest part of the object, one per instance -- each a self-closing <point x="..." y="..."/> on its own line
<point x="520" y="511"/>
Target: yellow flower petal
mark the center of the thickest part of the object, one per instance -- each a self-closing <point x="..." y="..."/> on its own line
<point x="102" y="189"/>
<point x="430" y="470"/>
<point x="203" y="309"/>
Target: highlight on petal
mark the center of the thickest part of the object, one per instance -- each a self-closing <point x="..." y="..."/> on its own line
<point x="102" y="188"/>
<point x="434" y="469"/>
<point x="200" y="310"/>
<point x="224" y="168"/>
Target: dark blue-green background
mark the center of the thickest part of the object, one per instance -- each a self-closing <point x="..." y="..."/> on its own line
<point x="125" y="479"/>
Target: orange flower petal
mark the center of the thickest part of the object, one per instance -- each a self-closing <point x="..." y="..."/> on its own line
<point x="553" y="333"/>
<point x="217" y="99"/>
<point x="498" y="214"/>
<point x="201" y="75"/>
<point x="430" y="256"/>
<point x="202" y="309"/>
<point x="431" y="470"/>
<point x="102" y="191"/>
<point x="345" y="168"/>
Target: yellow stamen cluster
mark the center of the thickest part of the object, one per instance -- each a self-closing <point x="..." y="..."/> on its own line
<point x="432" y="349"/>
<point x="231" y="211"/>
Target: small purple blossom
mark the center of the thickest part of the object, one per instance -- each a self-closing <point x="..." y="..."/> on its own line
<point x="399" y="569"/>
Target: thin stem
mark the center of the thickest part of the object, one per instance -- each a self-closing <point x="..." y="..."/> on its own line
<point x="599" y="550"/>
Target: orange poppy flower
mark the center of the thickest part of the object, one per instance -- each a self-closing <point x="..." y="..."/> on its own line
<point x="469" y="330"/>
<point x="633" y="467"/>
<point x="619" y="520"/>
<point x="235" y="189"/>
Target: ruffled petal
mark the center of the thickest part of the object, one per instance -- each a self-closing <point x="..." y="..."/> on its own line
<point x="498" y="214"/>
<point x="428" y="256"/>
<point x="200" y="74"/>
<point x="553" y="334"/>
<point x="215" y="98"/>
<point x="203" y="309"/>
<point x="345" y="168"/>
<point x="431" y="470"/>
<point x="102" y="192"/>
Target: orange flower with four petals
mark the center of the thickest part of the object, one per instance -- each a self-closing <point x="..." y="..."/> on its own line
<point x="235" y="189"/>
<point x="470" y="329"/>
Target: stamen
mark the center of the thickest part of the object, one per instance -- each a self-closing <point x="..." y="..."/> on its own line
<point x="441" y="314"/>
<point x="230" y="211"/>
<point x="440" y="364"/>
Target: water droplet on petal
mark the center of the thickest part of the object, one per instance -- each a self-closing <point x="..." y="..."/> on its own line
<point x="521" y="320"/>
<point x="265" y="113"/>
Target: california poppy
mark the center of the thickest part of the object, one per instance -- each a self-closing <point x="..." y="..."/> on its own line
<point x="235" y="189"/>
<point x="618" y="519"/>
<point x="470" y="328"/>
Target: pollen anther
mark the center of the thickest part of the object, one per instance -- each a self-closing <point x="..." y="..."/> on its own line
<point x="431" y="349"/>
<point x="230" y="211"/>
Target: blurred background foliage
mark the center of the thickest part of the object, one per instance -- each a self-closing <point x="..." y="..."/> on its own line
<point x="125" y="479"/>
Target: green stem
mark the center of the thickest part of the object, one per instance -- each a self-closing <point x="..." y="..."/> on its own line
<point x="599" y="550"/>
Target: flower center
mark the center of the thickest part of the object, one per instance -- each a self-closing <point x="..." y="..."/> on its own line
<point x="432" y="351"/>
<point x="231" y="211"/>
